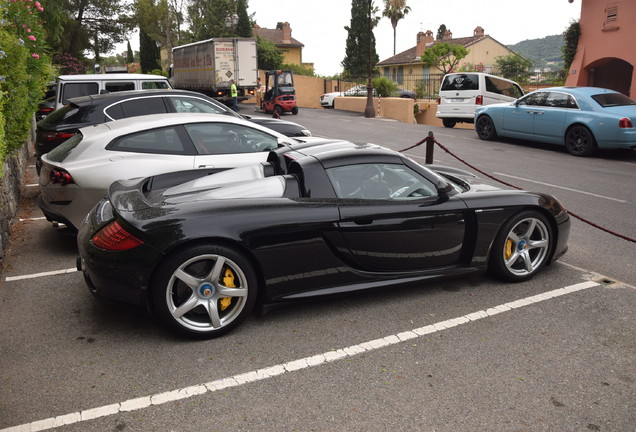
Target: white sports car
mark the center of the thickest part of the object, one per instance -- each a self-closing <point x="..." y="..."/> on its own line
<point x="327" y="99"/>
<point x="77" y="174"/>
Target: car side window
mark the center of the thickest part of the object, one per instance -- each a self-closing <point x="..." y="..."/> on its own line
<point x="559" y="100"/>
<point x="159" y="141"/>
<point x="149" y="85"/>
<point x="379" y="181"/>
<point x="71" y="90"/>
<point x="229" y="138"/>
<point x="116" y="86"/>
<point x="533" y="99"/>
<point x="136" y="107"/>
<point x="193" y="105"/>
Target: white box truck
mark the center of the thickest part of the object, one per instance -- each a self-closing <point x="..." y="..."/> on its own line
<point x="209" y="67"/>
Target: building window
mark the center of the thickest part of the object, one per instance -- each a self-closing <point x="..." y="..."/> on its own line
<point x="611" y="16"/>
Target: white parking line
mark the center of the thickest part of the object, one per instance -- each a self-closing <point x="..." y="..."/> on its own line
<point x="37" y="275"/>
<point x="561" y="187"/>
<point x="32" y="219"/>
<point x="291" y="366"/>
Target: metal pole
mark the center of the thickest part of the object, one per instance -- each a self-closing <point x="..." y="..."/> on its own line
<point x="369" y="111"/>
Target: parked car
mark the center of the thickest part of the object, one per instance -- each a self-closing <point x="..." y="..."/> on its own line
<point x="313" y="221"/>
<point x="70" y="86"/>
<point x="583" y="119"/>
<point x="327" y="99"/>
<point x="95" y="109"/>
<point x="461" y="93"/>
<point x="76" y="174"/>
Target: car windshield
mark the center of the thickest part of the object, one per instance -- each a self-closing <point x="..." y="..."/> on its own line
<point x="59" y="153"/>
<point x="613" y="99"/>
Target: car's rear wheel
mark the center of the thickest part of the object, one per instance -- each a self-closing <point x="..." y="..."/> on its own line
<point x="485" y="128"/>
<point x="522" y="247"/>
<point x="449" y="123"/>
<point x="579" y="141"/>
<point x="204" y="291"/>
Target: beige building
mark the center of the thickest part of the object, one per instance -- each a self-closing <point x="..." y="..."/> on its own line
<point x="282" y="38"/>
<point x="482" y="49"/>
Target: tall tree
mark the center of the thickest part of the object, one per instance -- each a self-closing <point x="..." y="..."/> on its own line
<point x="244" y="26"/>
<point x="395" y="10"/>
<point x="97" y="25"/>
<point x="360" y="39"/>
<point x="149" y="56"/>
<point x="207" y="18"/>
<point x="130" y="57"/>
<point x="444" y="56"/>
<point x="440" y="32"/>
<point x="160" y="21"/>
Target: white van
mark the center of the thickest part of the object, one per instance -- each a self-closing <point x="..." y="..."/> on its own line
<point x="70" y="86"/>
<point x="460" y="93"/>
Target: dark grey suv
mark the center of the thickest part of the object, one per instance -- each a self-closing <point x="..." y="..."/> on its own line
<point x="83" y="111"/>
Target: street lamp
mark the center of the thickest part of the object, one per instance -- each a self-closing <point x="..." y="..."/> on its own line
<point x="369" y="111"/>
<point x="231" y="21"/>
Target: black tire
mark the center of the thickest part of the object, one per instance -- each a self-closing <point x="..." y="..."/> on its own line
<point x="522" y="247"/>
<point x="294" y="110"/>
<point x="579" y="141"/>
<point x="204" y="291"/>
<point x="449" y="123"/>
<point x="485" y="128"/>
<point x="279" y="110"/>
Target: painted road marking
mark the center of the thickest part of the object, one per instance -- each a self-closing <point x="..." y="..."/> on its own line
<point x="32" y="219"/>
<point x="291" y="366"/>
<point x="561" y="187"/>
<point x="37" y="275"/>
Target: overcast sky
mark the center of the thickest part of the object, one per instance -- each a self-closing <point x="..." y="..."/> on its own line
<point x="319" y="24"/>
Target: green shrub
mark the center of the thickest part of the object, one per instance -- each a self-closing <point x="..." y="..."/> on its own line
<point x="384" y="86"/>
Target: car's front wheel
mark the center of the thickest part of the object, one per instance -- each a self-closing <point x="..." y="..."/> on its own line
<point x="204" y="291"/>
<point x="579" y="141"/>
<point x="522" y="247"/>
<point x="485" y="128"/>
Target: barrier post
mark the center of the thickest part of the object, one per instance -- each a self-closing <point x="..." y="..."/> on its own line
<point x="430" y="145"/>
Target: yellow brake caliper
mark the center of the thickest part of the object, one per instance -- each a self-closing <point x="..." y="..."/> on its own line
<point x="508" y="249"/>
<point x="228" y="281"/>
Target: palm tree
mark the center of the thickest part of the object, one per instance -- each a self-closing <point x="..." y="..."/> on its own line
<point x="395" y="10"/>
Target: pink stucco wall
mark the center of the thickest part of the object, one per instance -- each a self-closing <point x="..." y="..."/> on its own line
<point x="606" y="56"/>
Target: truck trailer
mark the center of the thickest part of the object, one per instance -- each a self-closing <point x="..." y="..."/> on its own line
<point x="209" y="66"/>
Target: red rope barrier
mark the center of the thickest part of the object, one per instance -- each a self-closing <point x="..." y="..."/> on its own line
<point x="431" y="139"/>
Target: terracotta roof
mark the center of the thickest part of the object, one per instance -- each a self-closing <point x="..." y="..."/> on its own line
<point x="276" y="37"/>
<point x="408" y="56"/>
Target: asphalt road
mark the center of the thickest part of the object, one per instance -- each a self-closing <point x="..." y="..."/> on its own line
<point x="552" y="354"/>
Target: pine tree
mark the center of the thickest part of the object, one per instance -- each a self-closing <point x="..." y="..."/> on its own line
<point x="243" y="28"/>
<point x="129" y="54"/>
<point x="148" y="53"/>
<point x="357" y="48"/>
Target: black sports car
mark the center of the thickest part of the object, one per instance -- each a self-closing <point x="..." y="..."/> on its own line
<point x="314" y="220"/>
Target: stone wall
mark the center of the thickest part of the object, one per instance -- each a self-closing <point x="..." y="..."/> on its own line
<point x="11" y="184"/>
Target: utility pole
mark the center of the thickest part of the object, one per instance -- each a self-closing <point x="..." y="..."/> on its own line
<point x="369" y="111"/>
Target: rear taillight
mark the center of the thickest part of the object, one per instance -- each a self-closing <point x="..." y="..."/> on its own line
<point x="115" y="238"/>
<point x="54" y="136"/>
<point x="439" y="100"/>
<point x="46" y="110"/>
<point x="625" y="123"/>
<point x="61" y="177"/>
<point x="479" y="100"/>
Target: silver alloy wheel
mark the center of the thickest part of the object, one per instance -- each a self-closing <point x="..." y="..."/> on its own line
<point x="206" y="293"/>
<point x="526" y="246"/>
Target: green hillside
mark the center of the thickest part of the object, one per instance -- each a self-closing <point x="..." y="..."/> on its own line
<point x="544" y="53"/>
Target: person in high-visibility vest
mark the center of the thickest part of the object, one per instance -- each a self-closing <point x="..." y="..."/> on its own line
<point x="234" y="93"/>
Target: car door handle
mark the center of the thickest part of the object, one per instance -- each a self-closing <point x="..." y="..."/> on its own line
<point x="205" y="166"/>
